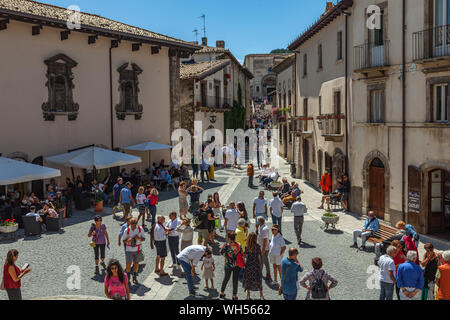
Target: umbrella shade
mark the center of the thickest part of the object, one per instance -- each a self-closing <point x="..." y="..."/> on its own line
<point x="91" y="157"/>
<point x="148" y="146"/>
<point x="13" y="171"/>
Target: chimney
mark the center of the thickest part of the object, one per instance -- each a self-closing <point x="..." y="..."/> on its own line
<point x="220" y="44"/>
<point x="204" y="41"/>
<point x="329" y="6"/>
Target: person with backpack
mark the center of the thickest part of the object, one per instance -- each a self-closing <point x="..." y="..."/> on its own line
<point x="132" y="239"/>
<point x="201" y="223"/>
<point x="290" y="267"/>
<point x="234" y="261"/>
<point x="318" y="288"/>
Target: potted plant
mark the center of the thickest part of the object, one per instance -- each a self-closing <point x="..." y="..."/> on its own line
<point x="9" y="226"/>
<point x="98" y="201"/>
<point x="330" y="218"/>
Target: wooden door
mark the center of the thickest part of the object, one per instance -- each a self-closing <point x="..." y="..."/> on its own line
<point x="377" y="191"/>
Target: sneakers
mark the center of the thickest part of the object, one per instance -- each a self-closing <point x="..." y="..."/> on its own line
<point x="268" y="277"/>
<point x="135" y="279"/>
<point x="97" y="270"/>
<point x="362" y="248"/>
<point x="274" y="283"/>
<point x="355" y="245"/>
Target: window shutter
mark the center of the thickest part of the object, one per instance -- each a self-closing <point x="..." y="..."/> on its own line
<point x="447" y="95"/>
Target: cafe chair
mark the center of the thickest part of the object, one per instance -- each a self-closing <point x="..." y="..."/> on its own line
<point x="54" y="224"/>
<point x="31" y="226"/>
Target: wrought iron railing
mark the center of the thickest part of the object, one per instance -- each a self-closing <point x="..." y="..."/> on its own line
<point x="331" y="124"/>
<point x="431" y="43"/>
<point x="371" y="55"/>
<point x="214" y="102"/>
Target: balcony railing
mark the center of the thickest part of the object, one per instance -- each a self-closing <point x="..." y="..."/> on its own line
<point x="331" y="124"/>
<point x="371" y="55"/>
<point x="214" y="102"/>
<point x="431" y="43"/>
<point x="303" y="125"/>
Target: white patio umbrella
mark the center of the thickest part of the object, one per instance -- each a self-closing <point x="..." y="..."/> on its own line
<point x="93" y="158"/>
<point x="13" y="171"/>
<point x="147" y="147"/>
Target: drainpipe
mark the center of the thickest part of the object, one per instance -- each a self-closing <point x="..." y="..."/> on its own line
<point x="111" y="98"/>
<point x="347" y="169"/>
<point x="403" y="106"/>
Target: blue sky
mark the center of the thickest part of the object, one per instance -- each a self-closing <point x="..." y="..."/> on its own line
<point x="247" y="26"/>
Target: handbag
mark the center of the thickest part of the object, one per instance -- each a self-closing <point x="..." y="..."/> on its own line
<point x="280" y="290"/>
<point x="240" y="260"/>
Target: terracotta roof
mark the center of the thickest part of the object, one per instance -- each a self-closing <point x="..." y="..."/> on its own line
<point x="34" y="12"/>
<point x="201" y="70"/>
<point x="206" y="49"/>
<point x="283" y="64"/>
<point x="324" y="20"/>
<point x="216" y="50"/>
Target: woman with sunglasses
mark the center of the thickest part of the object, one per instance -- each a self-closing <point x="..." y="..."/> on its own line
<point x="116" y="282"/>
<point x="100" y="240"/>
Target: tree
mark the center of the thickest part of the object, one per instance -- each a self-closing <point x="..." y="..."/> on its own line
<point x="281" y="51"/>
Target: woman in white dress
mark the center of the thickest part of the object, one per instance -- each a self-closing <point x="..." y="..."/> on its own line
<point x="217" y="209"/>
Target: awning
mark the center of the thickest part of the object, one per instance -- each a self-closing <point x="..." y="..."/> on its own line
<point x="91" y="157"/>
<point x="148" y="146"/>
<point x="13" y="171"/>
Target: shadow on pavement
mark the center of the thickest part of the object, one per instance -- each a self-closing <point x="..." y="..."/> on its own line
<point x="305" y="245"/>
<point x="334" y="231"/>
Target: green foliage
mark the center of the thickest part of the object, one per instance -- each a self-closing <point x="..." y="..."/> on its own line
<point x="281" y="51"/>
<point x="235" y="119"/>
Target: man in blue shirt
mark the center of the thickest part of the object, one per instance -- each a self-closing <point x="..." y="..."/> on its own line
<point x="370" y="227"/>
<point x="410" y="278"/>
<point x="126" y="199"/>
<point x="204" y="168"/>
<point x="290" y="267"/>
<point x="116" y="193"/>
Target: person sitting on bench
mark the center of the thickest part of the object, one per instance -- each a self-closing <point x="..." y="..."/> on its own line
<point x="380" y="248"/>
<point x="291" y="198"/>
<point x="284" y="189"/>
<point x="370" y="227"/>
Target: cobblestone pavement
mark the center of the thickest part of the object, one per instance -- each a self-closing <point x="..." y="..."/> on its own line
<point x="52" y="255"/>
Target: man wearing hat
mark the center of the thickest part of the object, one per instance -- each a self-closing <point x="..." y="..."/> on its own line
<point x="126" y="198"/>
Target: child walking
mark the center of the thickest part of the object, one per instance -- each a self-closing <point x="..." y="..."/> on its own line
<point x="140" y="199"/>
<point x="208" y="268"/>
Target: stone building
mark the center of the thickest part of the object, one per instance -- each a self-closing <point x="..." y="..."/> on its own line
<point x="320" y="120"/>
<point x="400" y="142"/>
<point x="202" y="95"/>
<point x="286" y="111"/>
<point x="105" y="83"/>
<point x="234" y="74"/>
<point x="261" y="66"/>
<point x="397" y="120"/>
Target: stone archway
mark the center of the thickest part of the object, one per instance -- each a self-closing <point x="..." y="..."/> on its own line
<point x="426" y="168"/>
<point x="366" y="187"/>
<point x="268" y="83"/>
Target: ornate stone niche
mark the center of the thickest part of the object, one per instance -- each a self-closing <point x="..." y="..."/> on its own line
<point x="60" y="88"/>
<point x="129" y="92"/>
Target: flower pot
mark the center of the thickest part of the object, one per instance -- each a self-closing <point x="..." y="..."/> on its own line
<point x="9" y="229"/>
<point x="330" y="220"/>
<point x="99" y="206"/>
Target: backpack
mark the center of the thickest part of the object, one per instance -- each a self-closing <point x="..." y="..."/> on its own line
<point x="197" y="219"/>
<point x="318" y="288"/>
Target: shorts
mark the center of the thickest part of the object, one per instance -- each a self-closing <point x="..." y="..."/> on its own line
<point x="275" y="259"/>
<point x="136" y="257"/>
<point x="344" y="196"/>
<point x="161" y="248"/>
<point x="203" y="233"/>
<point x="126" y="208"/>
<point x="141" y="208"/>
